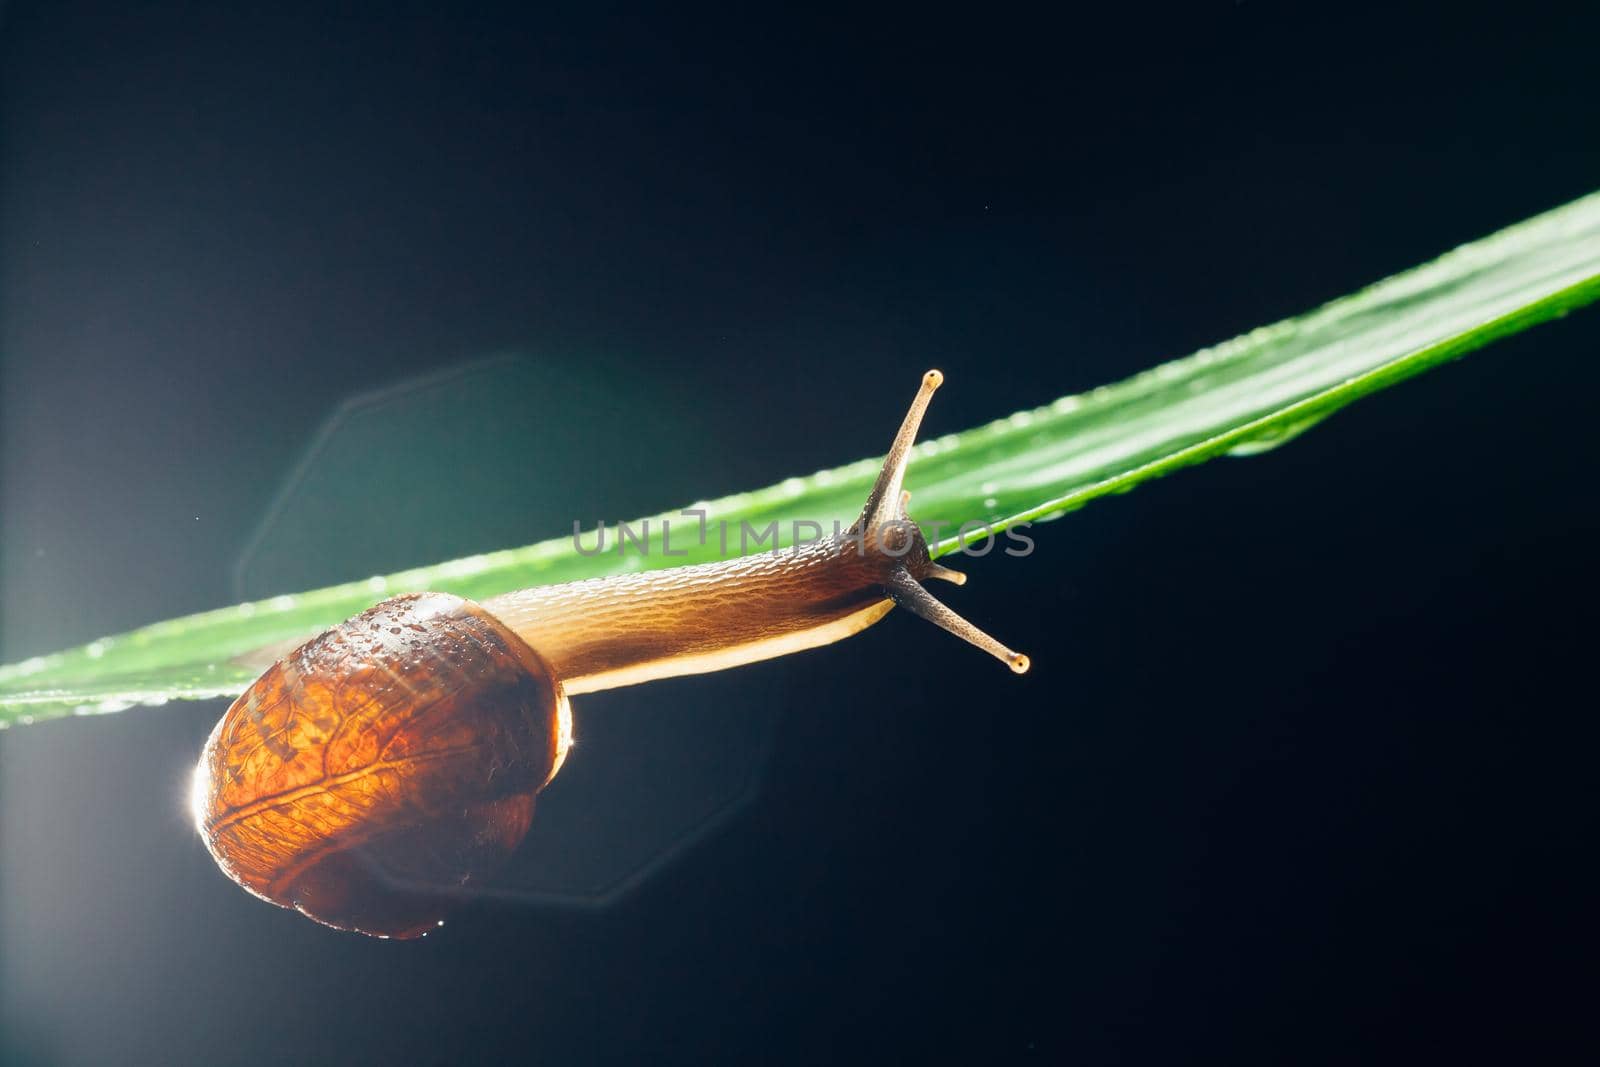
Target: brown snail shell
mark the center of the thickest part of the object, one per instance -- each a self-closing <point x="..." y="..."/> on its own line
<point x="385" y="767"/>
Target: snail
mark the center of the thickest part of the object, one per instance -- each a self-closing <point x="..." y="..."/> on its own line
<point x="389" y="764"/>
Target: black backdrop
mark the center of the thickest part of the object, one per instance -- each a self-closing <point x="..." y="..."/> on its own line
<point x="1304" y="770"/>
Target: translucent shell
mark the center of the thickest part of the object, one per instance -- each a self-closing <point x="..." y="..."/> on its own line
<point x="384" y="768"/>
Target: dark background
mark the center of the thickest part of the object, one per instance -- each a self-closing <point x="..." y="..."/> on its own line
<point x="1304" y="772"/>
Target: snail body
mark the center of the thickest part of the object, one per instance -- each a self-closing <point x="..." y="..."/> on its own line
<point x="386" y="766"/>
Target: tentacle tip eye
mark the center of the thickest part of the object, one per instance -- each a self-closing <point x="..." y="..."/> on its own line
<point x="1019" y="663"/>
<point x="933" y="379"/>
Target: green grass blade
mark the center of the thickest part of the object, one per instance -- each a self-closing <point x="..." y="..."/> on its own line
<point x="1243" y="396"/>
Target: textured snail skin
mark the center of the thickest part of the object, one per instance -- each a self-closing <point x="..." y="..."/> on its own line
<point x="628" y="628"/>
<point x="384" y="767"/>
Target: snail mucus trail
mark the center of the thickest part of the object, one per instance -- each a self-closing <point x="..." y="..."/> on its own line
<point x="387" y="766"/>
